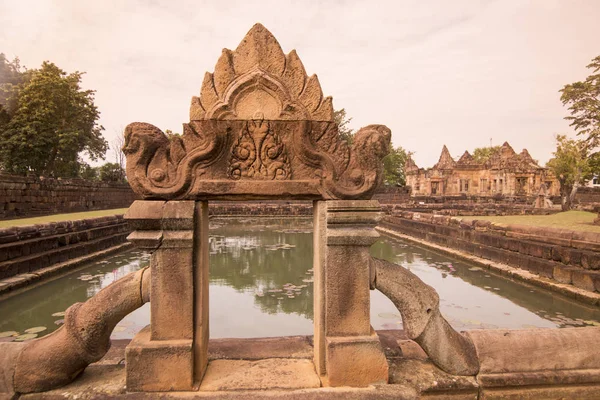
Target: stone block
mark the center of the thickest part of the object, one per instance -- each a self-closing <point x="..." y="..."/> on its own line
<point x="145" y="214"/>
<point x="348" y="295"/>
<point x="586" y="280"/>
<point x="159" y="366"/>
<point x="147" y="240"/>
<point x="563" y="274"/>
<point x="178" y="215"/>
<point x="590" y="260"/>
<point x="355" y="361"/>
<point x="271" y="373"/>
<point x="172" y="301"/>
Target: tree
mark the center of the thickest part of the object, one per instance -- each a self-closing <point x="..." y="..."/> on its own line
<point x="571" y="167"/>
<point x="54" y="120"/>
<point x="10" y="74"/>
<point x="117" y="147"/>
<point x="481" y="155"/>
<point x="583" y="99"/>
<point x="88" y="172"/>
<point x="342" y="121"/>
<point x="393" y="167"/>
<point x="111" y="172"/>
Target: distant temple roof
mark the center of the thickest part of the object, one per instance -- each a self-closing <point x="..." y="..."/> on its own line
<point x="410" y="164"/>
<point x="466" y="159"/>
<point x="446" y="161"/>
<point x="504" y="158"/>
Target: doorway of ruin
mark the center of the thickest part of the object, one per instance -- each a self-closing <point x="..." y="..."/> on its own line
<point x="261" y="129"/>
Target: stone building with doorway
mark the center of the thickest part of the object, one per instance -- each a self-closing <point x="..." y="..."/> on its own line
<point x="505" y="173"/>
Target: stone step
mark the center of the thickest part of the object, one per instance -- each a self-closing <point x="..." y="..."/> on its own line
<point x="12" y="284"/>
<point x="35" y="262"/>
<point x="15" y="250"/>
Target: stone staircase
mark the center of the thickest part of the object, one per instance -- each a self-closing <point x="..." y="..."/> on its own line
<point x="31" y="253"/>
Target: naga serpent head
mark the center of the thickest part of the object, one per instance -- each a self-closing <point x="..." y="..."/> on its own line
<point x="371" y="144"/>
<point x="140" y="136"/>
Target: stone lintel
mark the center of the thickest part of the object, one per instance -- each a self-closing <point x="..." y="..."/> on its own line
<point x="356" y="361"/>
<point x="158" y="366"/>
<point x="258" y="101"/>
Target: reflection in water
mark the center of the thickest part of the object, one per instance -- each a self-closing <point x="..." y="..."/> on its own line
<point x="261" y="285"/>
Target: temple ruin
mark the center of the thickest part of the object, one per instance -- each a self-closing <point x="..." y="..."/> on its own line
<point x="262" y="129"/>
<point x="506" y="173"/>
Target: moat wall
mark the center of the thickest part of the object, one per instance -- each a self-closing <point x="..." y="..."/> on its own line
<point x="30" y="253"/>
<point x="22" y="197"/>
<point x="567" y="257"/>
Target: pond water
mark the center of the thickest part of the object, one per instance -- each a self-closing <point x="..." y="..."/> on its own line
<point x="261" y="284"/>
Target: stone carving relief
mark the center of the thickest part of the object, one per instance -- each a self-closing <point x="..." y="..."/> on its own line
<point x="259" y="154"/>
<point x="258" y="77"/>
<point x="260" y="129"/>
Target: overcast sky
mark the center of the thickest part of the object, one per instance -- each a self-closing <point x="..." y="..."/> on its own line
<point x="436" y="72"/>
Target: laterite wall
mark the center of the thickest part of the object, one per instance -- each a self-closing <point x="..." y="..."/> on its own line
<point x="22" y="196"/>
<point x="565" y="256"/>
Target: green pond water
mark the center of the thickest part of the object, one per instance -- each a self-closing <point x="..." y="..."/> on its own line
<point x="261" y="284"/>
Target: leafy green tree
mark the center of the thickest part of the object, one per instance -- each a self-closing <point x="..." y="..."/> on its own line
<point x="10" y="74"/>
<point x="482" y="155"/>
<point x="342" y="121"/>
<point x="112" y="172"/>
<point x="88" y="172"/>
<point x="571" y="166"/>
<point x="583" y="99"/>
<point x="53" y="122"/>
<point x="393" y="167"/>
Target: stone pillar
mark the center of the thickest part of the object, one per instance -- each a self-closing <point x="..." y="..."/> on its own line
<point x="171" y="352"/>
<point x="347" y="349"/>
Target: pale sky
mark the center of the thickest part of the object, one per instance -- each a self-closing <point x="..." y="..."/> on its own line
<point x="435" y="72"/>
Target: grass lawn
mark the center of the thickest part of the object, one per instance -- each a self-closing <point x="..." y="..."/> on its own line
<point x="60" y="217"/>
<point x="572" y="220"/>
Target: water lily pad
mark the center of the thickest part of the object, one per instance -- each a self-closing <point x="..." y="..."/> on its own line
<point x="475" y="269"/>
<point x="7" y="339"/>
<point x="36" y="329"/>
<point x="59" y="314"/>
<point x="8" y="334"/>
<point x="27" y="336"/>
<point x="59" y="321"/>
<point x="119" y="328"/>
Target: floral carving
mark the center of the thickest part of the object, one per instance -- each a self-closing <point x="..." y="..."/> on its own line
<point x="259" y="154"/>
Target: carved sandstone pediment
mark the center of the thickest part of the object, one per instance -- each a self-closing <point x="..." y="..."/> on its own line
<point x="260" y="129"/>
